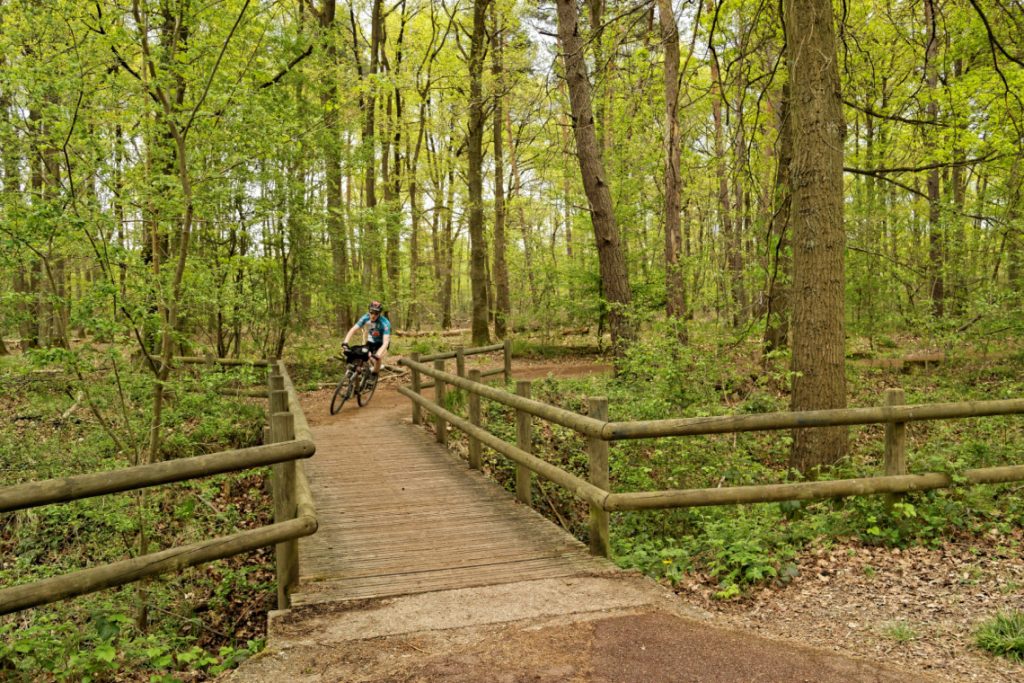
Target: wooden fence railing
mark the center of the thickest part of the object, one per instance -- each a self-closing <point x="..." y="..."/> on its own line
<point x="599" y="431"/>
<point x="459" y="354"/>
<point x="288" y="439"/>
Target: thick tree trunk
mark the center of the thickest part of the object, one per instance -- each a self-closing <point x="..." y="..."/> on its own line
<point x="817" y="224"/>
<point x="606" y="233"/>
<point x="474" y="153"/>
<point x="675" y="291"/>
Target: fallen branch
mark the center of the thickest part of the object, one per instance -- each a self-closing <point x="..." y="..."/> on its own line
<point x="66" y="413"/>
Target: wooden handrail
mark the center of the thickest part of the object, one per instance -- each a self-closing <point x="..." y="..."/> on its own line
<point x="836" y="417"/>
<point x="693" y="426"/>
<point x="581" y="423"/>
<point x="468" y="352"/>
<point x="302" y="432"/>
<point x="174" y="559"/>
<point x="204" y="360"/>
<point x="301" y="519"/>
<point x="895" y="415"/>
<point x="581" y="487"/>
<point x="808" y="490"/>
<point x="65" y="489"/>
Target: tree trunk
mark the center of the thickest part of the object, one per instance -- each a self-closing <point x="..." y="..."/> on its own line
<point x="675" y="291"/>
<point x="936" y="246"/>
<point x="502" y="305"/>
<point x="412" y="311"/>
<point x="474" y="152"/>
<point x="448" y="255"/>
<point x="817" y="224"/>
<point x="606" y="233"/>
<point x="517" y="192"/>
<point x="333" y="158"/>
<point x="371" y="234"/>
<point x="777" y="313"/>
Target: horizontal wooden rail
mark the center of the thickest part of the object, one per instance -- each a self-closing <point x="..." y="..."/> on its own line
<point x="581" y="423"/>
<point x="811" y="490"/>
<point x="485" y="373"/>
<point x="299" y="515"/>
<point x="33" y="494"/>
<point x="173" y="559"/>
<point x="302" y="432"/>
<point x="444" y="355"/>
<point x="580" y="487"/>
<point x="213" y="360"/>
<point x="692" y="426"/>
<point x="251" y="393"/>
<point x="895" y="415"/>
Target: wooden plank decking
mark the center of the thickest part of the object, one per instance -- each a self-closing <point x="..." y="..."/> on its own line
<point x="399" y="514"/>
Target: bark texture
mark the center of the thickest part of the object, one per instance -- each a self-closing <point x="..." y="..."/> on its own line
<point x="474" y="151"/>
<point x="675" y="291"/>
<point x="817" y="224"/>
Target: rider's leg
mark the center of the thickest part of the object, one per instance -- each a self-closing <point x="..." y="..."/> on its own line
<point x="377" y="360"/>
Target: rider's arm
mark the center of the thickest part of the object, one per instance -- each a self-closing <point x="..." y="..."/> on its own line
<point x="355" y="328"/>
<point x="386" y="339"/>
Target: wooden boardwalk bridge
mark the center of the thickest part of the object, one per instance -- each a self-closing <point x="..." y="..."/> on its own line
<point x="425" y="570"/>
<point x="399" y="514"/>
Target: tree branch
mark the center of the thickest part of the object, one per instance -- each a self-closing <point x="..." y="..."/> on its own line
<point x="281" y="74"/>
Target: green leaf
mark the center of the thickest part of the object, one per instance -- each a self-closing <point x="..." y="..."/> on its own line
<point x="106" y="652"/>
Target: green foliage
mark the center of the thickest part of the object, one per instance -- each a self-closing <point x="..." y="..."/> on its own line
<point x="107" y="645"/>
<point x="899" y="631"/>
<point x="1003" y="635"/>
<point x="736" y="547"/>
<point x="90" y="638"/>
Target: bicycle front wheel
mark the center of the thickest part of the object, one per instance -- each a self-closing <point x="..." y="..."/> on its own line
<point x="341" y="394"/>
<point x="369" y="385"/>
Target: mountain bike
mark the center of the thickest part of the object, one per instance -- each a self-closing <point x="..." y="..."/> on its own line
<point x="358" y="379"/>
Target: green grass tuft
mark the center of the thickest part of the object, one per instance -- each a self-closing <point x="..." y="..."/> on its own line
<point x="1003" y="635"/>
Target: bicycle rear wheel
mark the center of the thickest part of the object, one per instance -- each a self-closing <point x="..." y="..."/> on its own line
<point x="341" y="394"/>
<point x="369" y="385"/>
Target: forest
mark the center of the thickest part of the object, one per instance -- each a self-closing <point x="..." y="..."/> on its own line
<point x="733" y="202"/>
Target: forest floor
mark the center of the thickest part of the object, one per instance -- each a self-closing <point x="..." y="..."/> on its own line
<point x="914" y="608"/>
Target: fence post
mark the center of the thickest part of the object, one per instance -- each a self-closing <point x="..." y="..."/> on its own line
<point x="474" y="418"/>
<point x="278" y="396"/>
<point x="524" y="440"/>
<point x="278" y="401"/>
<point x="460" y="361"/>
<point x="508" y="360"/>
<point x="895" y="441"/>
<point x="598" y="452"/>
<point x="439" y="422"/>
<point x="416" y="415"/>
<point x="282" y="428"/>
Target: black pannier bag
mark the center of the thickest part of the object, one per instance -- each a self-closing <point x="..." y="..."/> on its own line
<point x="356" y="353"/>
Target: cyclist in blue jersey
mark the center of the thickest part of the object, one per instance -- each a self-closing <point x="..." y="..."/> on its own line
<point x="378" y="333"/>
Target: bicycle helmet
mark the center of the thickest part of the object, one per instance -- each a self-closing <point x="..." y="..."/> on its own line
<point x="376" y="307"/>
